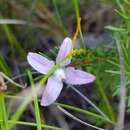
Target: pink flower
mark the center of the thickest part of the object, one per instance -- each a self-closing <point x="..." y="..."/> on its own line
<point x="69" y="75"/>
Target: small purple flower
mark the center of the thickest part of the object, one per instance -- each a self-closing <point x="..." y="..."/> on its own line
<point x="69" y="75"/>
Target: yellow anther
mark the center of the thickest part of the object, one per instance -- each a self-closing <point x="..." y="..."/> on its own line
<point x="78" y="52"/>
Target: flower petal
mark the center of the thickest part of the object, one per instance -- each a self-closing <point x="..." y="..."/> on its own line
<point x="39" y="63"/>
<point x="65" y="48"/>
<point x="52" y="91"/>
<point x="78" y="77"/>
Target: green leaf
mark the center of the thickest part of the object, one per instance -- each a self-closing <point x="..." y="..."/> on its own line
<point x="117" y="29"/>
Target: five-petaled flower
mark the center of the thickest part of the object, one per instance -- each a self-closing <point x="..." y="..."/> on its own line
<point x="69" y="75"/>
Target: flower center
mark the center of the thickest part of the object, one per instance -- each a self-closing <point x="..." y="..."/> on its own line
<point x="60" y="73"/>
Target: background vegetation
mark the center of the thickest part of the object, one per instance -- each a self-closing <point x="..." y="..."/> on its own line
<point x="40" y="26"/>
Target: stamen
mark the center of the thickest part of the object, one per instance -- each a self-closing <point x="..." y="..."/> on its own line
<point x="60" y="74"/>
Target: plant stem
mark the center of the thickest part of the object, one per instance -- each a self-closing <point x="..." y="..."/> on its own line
<point x="122" y="94"/>
<point x="76" y="5"/>
<point x="77" y="119"/>
<point x="90" y="102"/>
